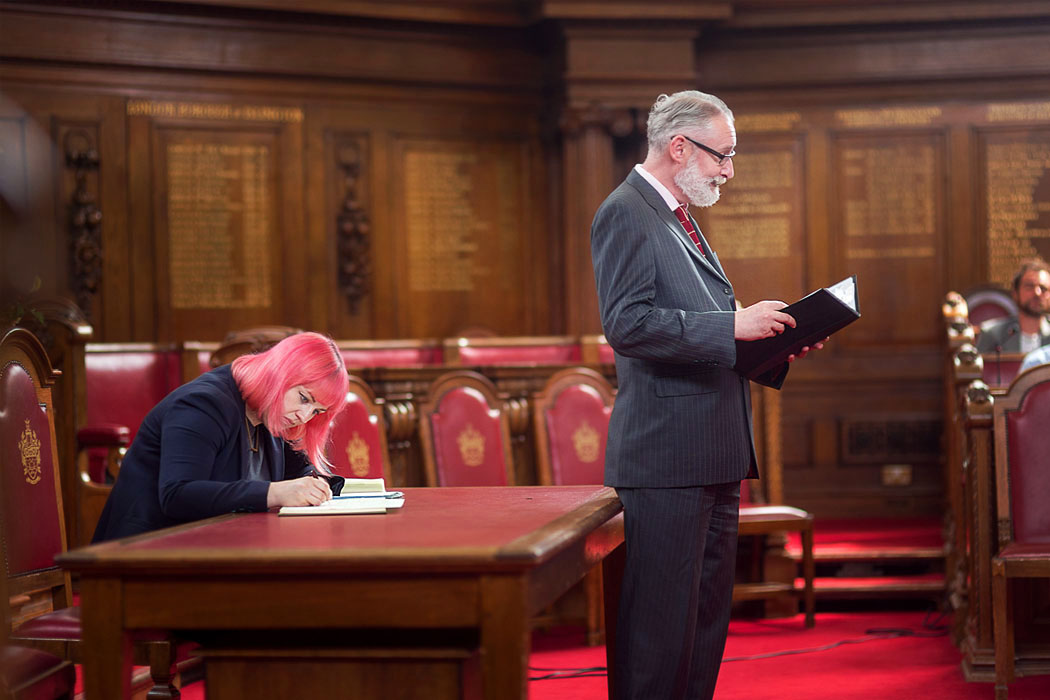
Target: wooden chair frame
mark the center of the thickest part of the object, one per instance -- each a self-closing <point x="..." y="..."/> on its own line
<point x="559" y="381"/>
<point x="767" y="519"/>
<point x="22" y="347"/>
<point x="1033" y="565"/>
<point x="441" y="386"/>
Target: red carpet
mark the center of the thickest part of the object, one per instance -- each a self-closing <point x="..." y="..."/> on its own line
<point x="880" y="668"/>
<point x="858" y="535"/>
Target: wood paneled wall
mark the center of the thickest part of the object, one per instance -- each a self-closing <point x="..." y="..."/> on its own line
<point x="411" y="169"/>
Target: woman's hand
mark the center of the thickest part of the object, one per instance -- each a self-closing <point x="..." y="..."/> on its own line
<point x="305" y="491"/>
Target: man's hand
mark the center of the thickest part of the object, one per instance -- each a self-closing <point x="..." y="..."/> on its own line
<point x="305" y="491"/>
<point x="762" y="320"/>
<point x="805" y="350"/>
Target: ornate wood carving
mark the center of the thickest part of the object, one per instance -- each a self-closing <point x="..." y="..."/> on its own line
<point x="85" y="220"/>
<point x="620" y="123"/>
<point x="353" y="229"/>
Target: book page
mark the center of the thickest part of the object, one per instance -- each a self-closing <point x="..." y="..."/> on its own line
<point x="846" y="292"/>
<point x="347" y="506"/>
<point x="363" y="485"/>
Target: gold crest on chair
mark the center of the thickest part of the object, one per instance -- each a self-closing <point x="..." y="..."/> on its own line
<point x="357" y="455"/>
<point x="586" y="442"/>
<point x="29" y="448"/>
<point x="471" y="446"/>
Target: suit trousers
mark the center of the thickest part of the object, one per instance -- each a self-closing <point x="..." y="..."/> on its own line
<point x="677" y="590"/>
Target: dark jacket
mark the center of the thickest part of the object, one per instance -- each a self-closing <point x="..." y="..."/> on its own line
<point x="682" y="415"/>
<point x="185" y="461"/>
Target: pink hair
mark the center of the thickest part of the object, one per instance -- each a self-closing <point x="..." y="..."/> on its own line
<point x="308" y="359"/>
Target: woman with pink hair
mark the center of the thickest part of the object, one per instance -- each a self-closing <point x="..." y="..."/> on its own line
<point x="247" y="436"/>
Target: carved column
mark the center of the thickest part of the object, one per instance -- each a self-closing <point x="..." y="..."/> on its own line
<point x="353" y="229"/>
<point x="978" y="492"/>
<point x="608" y="92"/>
<point x="85" y="221"/>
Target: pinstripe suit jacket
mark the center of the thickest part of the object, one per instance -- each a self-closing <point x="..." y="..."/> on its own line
<point x="682" y="415"/>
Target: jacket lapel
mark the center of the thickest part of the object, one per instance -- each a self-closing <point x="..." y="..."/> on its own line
<point x="654" y="200"/>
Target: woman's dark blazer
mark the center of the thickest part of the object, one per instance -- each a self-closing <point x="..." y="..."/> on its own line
<point x="185" y="461"/>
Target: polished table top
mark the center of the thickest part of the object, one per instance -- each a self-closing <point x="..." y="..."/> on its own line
<point x="455" y="528"/>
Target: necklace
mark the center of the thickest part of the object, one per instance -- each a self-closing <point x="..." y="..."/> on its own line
<point x="253" y="435"/>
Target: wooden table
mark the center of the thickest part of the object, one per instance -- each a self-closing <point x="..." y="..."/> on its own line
<point x="479" y="561"/>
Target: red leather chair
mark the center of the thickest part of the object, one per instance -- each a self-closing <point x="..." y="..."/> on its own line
<point x="29" y="674"/>
<point x="390" y="353"/>
<point x="32" y="495"/>
<point x="465" y="433"/>
<point x="358" y="447"/>
<point x="512" y="350"/>
<point x="988" y="302"/>
<point x="125" y="381"/>
<point x="1022" y="482"/>
<point x="571" y="423"/>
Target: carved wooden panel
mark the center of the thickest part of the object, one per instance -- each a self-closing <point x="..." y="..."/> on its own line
<point x="1014" y="172"/>
<point x="887" y="204"/>
<point x="223" y="214"/>
<point x="463" y="234"/>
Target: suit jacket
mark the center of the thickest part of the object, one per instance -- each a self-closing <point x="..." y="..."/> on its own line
<point x="185" y="462"/>
<point x="1006" y="334"/>
<point x="682" y="415"/>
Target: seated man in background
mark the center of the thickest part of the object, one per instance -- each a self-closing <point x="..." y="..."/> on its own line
<point x="1030" y="329"/>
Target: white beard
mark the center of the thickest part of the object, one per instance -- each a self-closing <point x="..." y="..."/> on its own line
<point x="701" y="191"/>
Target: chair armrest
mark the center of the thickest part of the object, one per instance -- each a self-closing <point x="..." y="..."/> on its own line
<point x="104" y="435"/>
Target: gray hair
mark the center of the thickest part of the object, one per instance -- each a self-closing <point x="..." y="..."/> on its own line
<point x="689" y="109"/>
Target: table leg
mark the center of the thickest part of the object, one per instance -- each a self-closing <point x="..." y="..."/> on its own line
<point x="106" y="645"/>
<point x="612" y="579"/>
<point x="505" y="637"/>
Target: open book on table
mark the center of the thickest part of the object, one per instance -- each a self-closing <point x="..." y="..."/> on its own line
<point x="817" y="316"/>
<point x="358" y="496"/>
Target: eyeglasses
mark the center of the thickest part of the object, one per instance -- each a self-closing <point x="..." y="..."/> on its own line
<point x="721" y="157"/>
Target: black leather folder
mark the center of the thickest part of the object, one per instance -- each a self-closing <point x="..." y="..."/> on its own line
<point x="817" y="316"/>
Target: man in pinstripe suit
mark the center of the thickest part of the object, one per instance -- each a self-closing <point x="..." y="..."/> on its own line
<point x="680" y="435"/>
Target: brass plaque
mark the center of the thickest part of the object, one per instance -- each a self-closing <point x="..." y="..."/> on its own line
<point x="882" y="199"/>
<point x="1017" y="199"/>
<point x="219" y="204"/>
<point x="753" y="218"/>
<point x="462" y="212"/>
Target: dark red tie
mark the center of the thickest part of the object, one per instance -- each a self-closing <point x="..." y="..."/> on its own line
<point x="688" y="226"/>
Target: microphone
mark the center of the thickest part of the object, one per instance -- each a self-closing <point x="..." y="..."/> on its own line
<point x="999" y="358"/>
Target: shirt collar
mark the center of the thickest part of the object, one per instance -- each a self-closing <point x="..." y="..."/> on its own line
<point x="669" y="199"/>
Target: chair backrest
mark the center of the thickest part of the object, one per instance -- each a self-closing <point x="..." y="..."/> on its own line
<point x="1022" y="458"/>
<point x="125" y="381"/>
<point x="248" y="340"/>
<point x="465" y="433"/>
<point x="357" y="447"/>
<point x="570" y="419"/>
<point x="390" y="353"/>
<point x="989" y="302"/>
<point x="32" y="526"/>
<point x="512" y="350"/>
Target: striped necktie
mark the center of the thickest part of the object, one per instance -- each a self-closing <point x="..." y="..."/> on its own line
<point x="688" y="226"/>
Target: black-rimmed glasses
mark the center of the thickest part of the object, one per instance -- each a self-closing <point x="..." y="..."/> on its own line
<point x="720" y="157"/>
